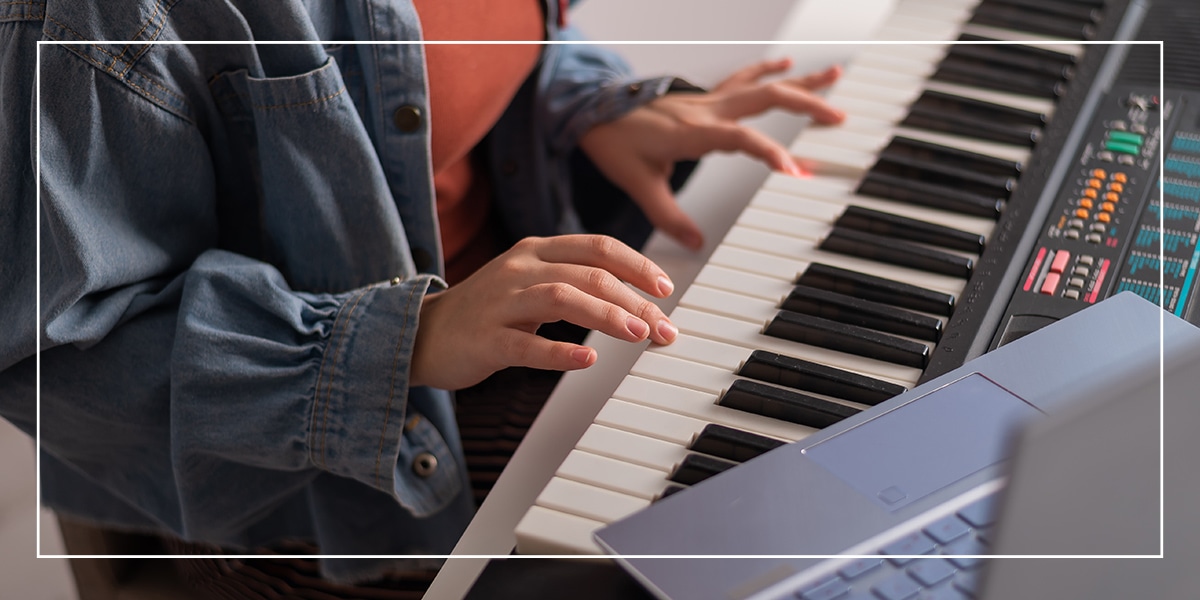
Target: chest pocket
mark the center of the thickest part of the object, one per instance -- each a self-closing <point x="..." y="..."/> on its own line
<point x="301" y="185"/>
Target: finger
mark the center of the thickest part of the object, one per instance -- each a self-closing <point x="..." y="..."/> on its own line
<point x="522" y="349"/>
<point x="559" y="301"/>
<point x="816" y="81"/>
<point x="754" y="72"/>
<point x="731" y="137"/>
<point x="654" y="196"/>
<point x="763" y="97"/>
<point x="607" y="287"/>
<point x="609" y="254"/>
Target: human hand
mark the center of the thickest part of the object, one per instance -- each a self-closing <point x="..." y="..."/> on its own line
<point x="488" y="322"/>
<point x="638" y="151"/>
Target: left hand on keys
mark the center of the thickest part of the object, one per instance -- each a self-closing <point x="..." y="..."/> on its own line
<point x="638" y="151"/>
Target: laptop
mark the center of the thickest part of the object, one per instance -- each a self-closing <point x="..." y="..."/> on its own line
<point x="1046" y="446"/>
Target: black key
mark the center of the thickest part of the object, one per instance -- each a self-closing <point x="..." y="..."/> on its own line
<point x="698" y="467"/>
<point x="732" y="444"/>
<point x="1057" y="64"/>
<point x="1033" y="21"/>
<point x="1074" y="10"/>
<point x="969" y="126"/>
<point x="963" y="178"/>
<point x="1006" y="79"/>
<point x="968" y="117"/>
<point x="821" y="379"/>
<point x="934" y="195"/>
<point x="785" y="405"/>
<point x="863" y="313"/>
<point x="879" y="289"/>
<point x="891" y="251"/>
<point x="1032" y="50"/>
<point x="904" y="228"/>
<point x="850" y="339"/>
<point x="673" y="488"/>
<point x="937" y="154"/>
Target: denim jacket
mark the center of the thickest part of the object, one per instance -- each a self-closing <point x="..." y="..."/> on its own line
<point x="235" y="240"/>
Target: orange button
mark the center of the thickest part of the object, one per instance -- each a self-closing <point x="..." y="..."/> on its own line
<point x="1085" y="203"/>
<point x="1099" y="174"/>
<point x="1090" y="193"/>
<point x="1108" y="207"/>
<point x="1121" y="177"/>
<point x="1116" y="187"/>
<point x="1082" y="213"/>
<point x="1104" y="217"/>
<point x="1096" y="183"/>
<point x="1112" y="197"/>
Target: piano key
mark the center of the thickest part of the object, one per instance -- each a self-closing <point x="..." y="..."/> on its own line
<point x="1035" y="21"/>
<point x="1025" y="38"/>
<point x="999" y="77"/>
<point x="1078" y="10"/>
<point x="903" y="98"/>
<point x="750" y="284"/>
<point x="807" y="252"/>
<point x="611" y="474"/>
<point x="878" y="289"/>
<point x="821" y="158"/>
<point x="1029" y="103"/>
<point x="848" y="338"/>
<point x="934" y="195"/>
<point x="647" y="421"/>
<point x="783" y="224"/>
<point x="588" y="501"/>
<point x="698" y="467"/>
<point x="891" y="225"/>
<point x="863" y="313"/>
<point x="937" y="102"/>
<point x="1026" y="58"/>
<point x="784" y="404"/>
<point x="930" y="115"/>
<point x="703" y="406"/>
<point x="988" y="158"/>
<point x="732" y="444"/>
<point x="683" y="373"/>
<point x="864" y="107"/>
<point x="892" y="251"/>
<point x="825" y="199"/>
<point x="631" y="448"/>
<point x="547" y="531"/>
<point x="823" y="379"/>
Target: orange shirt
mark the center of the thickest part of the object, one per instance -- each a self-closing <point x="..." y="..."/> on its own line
<point x="470" y="85"/>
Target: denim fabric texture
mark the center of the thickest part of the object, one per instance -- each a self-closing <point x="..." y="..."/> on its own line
<point x="235" y="240"/>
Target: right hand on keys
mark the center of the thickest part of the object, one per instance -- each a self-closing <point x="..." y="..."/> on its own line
<point x="488" y="322"/>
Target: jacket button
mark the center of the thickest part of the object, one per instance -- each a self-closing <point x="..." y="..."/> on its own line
<point x="422" y="259"/>
<point x="424" y="465"/>
<point x="407" y="118"/>
<point x="633" y="88"/>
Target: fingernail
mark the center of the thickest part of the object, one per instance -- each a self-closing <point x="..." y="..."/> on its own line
<point x="637" y="327"/>
<point x="667" y="331"/>
<point x="665" y="287"/>
<point x="582" y="356"/>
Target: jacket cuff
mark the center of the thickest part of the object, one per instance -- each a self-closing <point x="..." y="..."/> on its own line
<point x="363" y="426"/>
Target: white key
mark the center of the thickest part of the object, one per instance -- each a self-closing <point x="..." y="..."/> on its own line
<point x="632" y="448"/>
<point x="587" y="501"/>
<point x="929" y="54"/>
<point x="651" y="422"/>
<point x="813" y="198"/>
<point x="755" y="311"/>
<point x="740" y="333"/>
<point x="923" y="28"/>
<point x="857" y="106"/>
<point x="1021" y="101"/>
<point x="792" y="226"/>
<point x="727" y="356"/>
<point x="1056" y="44"/>
<point x="767" y="288"/>
<point x="769" y="243"/>
<point x="547" y="531"/>
<point x="612" y="474"/>
<point x="821" y="158"/>
<point x="702" y="406"/>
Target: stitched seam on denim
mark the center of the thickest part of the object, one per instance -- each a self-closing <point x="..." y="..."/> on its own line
<point x="23" y="18"/>
<point x="387" y="410"/>
<point x="333" y="375"/>
<point x="151" y="96"/>
<point x="341" y="91"/>
<point x="157" y="7"/>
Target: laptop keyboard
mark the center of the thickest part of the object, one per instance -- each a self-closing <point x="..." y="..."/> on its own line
<point x="943" y="571"/>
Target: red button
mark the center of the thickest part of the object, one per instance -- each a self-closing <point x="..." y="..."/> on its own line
<point x="1050" y="283"/>
<point x="1060" y="261"/>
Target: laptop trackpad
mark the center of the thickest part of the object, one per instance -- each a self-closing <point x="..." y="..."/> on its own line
<point x="926" y="444"/>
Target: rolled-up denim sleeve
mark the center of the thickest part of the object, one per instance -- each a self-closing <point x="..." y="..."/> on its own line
<point x="585" y="85"/>
<point x="263" y="377"/>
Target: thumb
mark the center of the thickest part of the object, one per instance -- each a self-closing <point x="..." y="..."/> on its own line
<point x="653" y="195"/>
